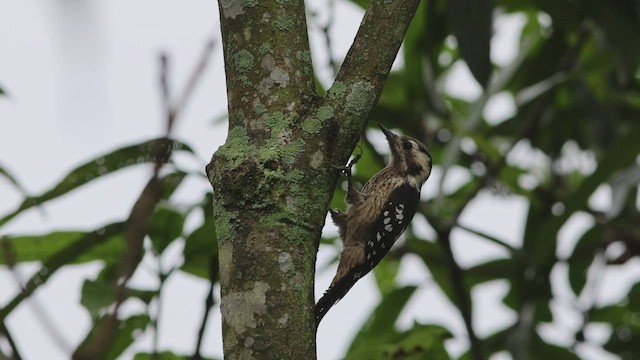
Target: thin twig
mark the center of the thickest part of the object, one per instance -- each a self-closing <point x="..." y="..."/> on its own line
<point x="208" y="305"/>
<point x="491" y="238"/>
<point x="47" y="323"/>
<point x="196" y="75"/>
<point x="162" y="276"/>
<point x="15" y="354"/>
<point x="464" y="301"/>
<point x="333" y="65"/>
<point x="137" y="224"/>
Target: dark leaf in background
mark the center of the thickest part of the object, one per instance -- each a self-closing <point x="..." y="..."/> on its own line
<point x="621" y="26"/>
<point x="420" y="342"/>
<point x="166" y="226"/>
<point x="471" y="23"/>
<point x="385" y="274"/>
<point x="625" y="322"/>
<point x="431" y="255"/>
<point x="541" y="232"/>
<point x="98" y="294"/>
<point x="583" y="253"/>
<point x="201" y="246"/>
<point x="542" y="350"/>
<point x="128" y="331"/>
<point x="380" y="326"/>
<point x="489" y="271"/>
<point x="166" y="355"/>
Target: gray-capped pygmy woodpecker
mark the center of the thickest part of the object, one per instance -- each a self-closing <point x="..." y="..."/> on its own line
<point x="377" y="215"/>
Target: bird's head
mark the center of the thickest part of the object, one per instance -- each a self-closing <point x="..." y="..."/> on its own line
<point x="409" y="157"/>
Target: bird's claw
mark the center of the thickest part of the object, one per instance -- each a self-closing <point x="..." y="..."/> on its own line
<point x="346" y="169"/>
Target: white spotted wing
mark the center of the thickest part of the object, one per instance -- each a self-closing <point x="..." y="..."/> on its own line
<point x="394" y="219"/>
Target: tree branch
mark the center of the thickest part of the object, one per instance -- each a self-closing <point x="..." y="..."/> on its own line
<point x="464" y="301"/>
<point x="366" y="67"/>
<point x="272" y="178"/>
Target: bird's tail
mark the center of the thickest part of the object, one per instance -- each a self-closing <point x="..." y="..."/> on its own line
<point x="332" y="296"/>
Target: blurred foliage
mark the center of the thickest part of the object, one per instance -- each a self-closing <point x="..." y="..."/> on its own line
<point x="575" y="89"/>
<point x="111" y="243"/>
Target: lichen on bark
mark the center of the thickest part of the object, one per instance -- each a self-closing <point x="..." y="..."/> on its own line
<point x="273" y="178"/>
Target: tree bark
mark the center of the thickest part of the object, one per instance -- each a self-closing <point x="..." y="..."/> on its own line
<point x="273" y="178"/>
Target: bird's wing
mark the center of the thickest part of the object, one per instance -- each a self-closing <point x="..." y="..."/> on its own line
<point x="393" y="220"/>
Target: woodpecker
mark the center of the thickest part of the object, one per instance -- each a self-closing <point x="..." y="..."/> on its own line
<point x="377" y="215"/>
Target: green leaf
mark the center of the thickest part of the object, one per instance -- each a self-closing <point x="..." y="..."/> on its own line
<point x="364" y="4"/>
<point x="101" y="166"/>
<point x="97" y="295"/>
<point x="489" y="271"/>
<point x="100" y="293"/>
<point x="583" y="256"/>
<point x="201" y="247"/>
<point x="621" y="28"/>
<point x="381" y="323"/>
<point x="166" y="226"/>
<point x="542" y="350"/>
<point x="126" y="333"/>
<point x="471" y="21"/>
<point x="42" y="247"/>
<point x="432" y="256"/>
<point x="385" y="274"/>
<point x="540" y="236"/>
<point x="64" y="256"/>
<point x="420" y="342"/>
<point x="165" y="355"/>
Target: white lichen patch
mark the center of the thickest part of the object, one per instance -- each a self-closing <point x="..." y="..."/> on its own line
<point x="225" y="257"/>
<point x="248" y="342"/>
<point x="231" y="8"/>
<point x="284" y="261"/>
<point x="268" y="62"/>
<point x="283" y="320"/>
<point x="290" y="203"/>
<point x="297" y="281"/>
<point x="285" y="136"/>
<point x="279" y="76"/>
<point x="316" y="159"/>
<point x="241" y="310"/>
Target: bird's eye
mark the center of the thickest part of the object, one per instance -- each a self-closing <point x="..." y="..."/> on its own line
<point x="407" y="145"/>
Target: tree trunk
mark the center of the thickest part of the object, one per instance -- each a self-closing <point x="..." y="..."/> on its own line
<point x="273" y="178"/>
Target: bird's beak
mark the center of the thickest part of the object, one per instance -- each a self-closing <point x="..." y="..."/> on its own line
<point x="391" y="137"/>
